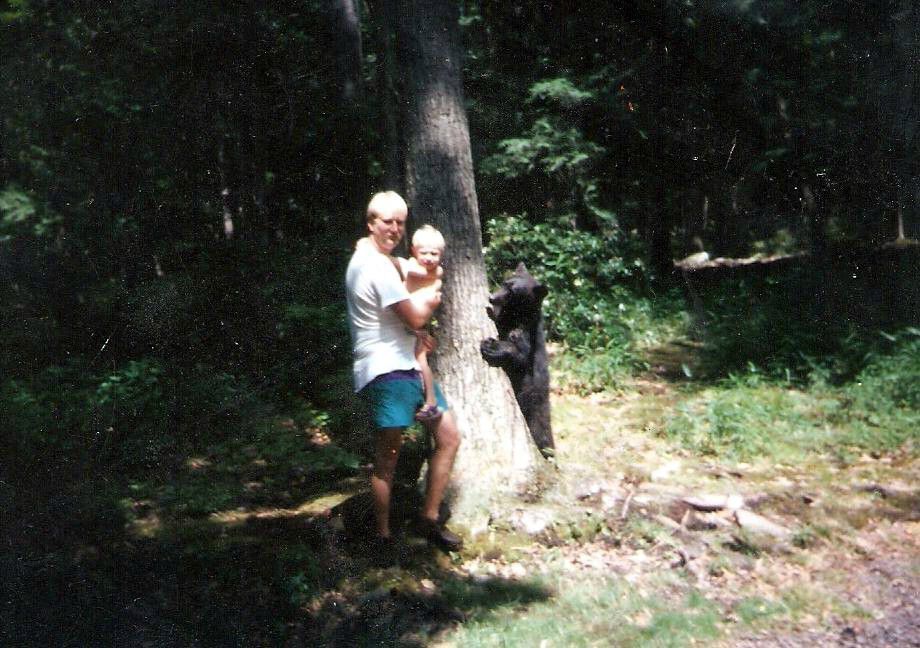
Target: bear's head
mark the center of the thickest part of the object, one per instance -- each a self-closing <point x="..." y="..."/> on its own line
<point x="518" y="301"/>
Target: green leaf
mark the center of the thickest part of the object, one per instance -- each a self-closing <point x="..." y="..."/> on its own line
<point x="16" y="206"/>
<point x="559" y="90"/>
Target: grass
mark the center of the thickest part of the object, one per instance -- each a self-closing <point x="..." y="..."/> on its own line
<point x="227" y="530"/>
<point x="598" y="611"/>
<point x="741" y="421"/>
<point x="750" y="416"/>
<point x="757" y="611"/>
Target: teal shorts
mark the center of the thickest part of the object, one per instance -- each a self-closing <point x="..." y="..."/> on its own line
<point x="395" y="397"/>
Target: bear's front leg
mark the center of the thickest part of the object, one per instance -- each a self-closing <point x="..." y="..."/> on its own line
<point x="511" y="353"/>
<point x="494" y="351"/>
<point x="519" y="351"/>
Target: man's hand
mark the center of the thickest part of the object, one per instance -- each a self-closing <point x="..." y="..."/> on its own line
<point x="429" y="297"/>
<point x="417" y="310"/>
<point x="435" y="287"/>
<point x="426" y="339"/>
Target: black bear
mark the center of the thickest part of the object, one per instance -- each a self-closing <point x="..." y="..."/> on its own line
<point x="516" y="309"/>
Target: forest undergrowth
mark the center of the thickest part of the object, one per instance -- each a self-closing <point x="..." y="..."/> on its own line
<point x="682" y="509"/>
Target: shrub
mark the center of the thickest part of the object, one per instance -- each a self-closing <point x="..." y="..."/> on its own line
<point x="48" y="420"/>
<point x="891" y="380"/>
<point x="883" y="400"/>
<point x="750" y="415"/>
<point x="592" y="305"/>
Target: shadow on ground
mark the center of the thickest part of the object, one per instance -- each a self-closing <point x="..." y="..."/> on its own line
<point x="77" y="570"/>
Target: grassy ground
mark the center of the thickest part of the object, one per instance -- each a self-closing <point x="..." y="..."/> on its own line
<point x="655" y="573"/>
<point x="236" y="546"/>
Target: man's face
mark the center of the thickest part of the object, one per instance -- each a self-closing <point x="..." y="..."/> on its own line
<point x="387" y="230"/>
<point x="428" y="256"/>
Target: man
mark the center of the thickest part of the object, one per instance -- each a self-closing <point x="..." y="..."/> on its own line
<point x="381" y="317"/>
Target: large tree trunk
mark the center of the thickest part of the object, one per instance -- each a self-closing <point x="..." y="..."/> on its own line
<point x="497" y="455"/>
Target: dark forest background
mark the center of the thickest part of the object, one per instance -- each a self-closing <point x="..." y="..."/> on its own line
<point x="181" y="184"/>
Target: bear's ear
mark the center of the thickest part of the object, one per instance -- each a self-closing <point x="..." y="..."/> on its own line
<point x="521" y="268"/>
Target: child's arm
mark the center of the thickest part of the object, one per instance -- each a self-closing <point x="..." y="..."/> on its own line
<point x="412" y="268"/>
<point x="424" y="341"/>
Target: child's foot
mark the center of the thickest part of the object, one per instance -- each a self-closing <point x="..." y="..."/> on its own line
<point x="428" y="414"/>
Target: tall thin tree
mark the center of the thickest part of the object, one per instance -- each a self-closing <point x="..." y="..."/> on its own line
<point x="906" y="114"/>
<point x="350" y="150"/>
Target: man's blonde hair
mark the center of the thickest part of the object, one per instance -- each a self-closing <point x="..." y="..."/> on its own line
<point x="428" y="235"/>
<point x="385" y="202"/>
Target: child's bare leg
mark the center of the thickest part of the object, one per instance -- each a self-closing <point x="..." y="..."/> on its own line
<point x="427" y="377"/>
<point x="429" y="410"/>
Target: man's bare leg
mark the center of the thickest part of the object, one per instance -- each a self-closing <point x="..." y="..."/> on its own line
<point x="446" y="442"/>
<point x="386" y="454"/>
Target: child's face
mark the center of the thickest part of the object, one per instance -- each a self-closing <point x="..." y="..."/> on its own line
<point x="428" y="256"/>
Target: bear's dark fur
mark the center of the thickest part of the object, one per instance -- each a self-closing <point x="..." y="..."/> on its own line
<point x="516" y="309"/>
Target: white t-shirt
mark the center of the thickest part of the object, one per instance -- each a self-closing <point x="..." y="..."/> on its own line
<point x="380" y="340"/>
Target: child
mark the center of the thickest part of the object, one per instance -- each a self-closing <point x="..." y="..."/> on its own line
<point x="422" y="271"/>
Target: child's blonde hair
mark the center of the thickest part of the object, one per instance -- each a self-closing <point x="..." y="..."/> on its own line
<point x="428" y="235"/>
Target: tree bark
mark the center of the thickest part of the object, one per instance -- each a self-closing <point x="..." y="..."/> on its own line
<point x="497" y="455"/>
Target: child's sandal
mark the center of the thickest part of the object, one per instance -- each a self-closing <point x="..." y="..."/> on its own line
<point x="428" y="414"/>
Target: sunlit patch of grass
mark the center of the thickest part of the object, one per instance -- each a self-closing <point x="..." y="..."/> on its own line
<point x="810" y="535"/>
<point x="592" y="612"/>
<point x="758" y="612"/>
<point x="485" y="597"/>
<point x="698" y="620"/>
<point x="802" y="602"/>
<point x="612" y="431"/>
<point x="791" y="606"/>
<point x="744" y="421"/>
<point x="605" y="351"/>
<point x="498" y="543"/>
<point x="753" y="414"/>
<point x="643" y="532"/>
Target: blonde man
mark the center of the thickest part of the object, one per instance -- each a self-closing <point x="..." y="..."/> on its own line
<point x="382" y="316"/>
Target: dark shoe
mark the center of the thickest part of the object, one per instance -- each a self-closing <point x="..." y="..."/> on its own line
<point x="438" y="534"/>
<point x="428" y="414"/>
